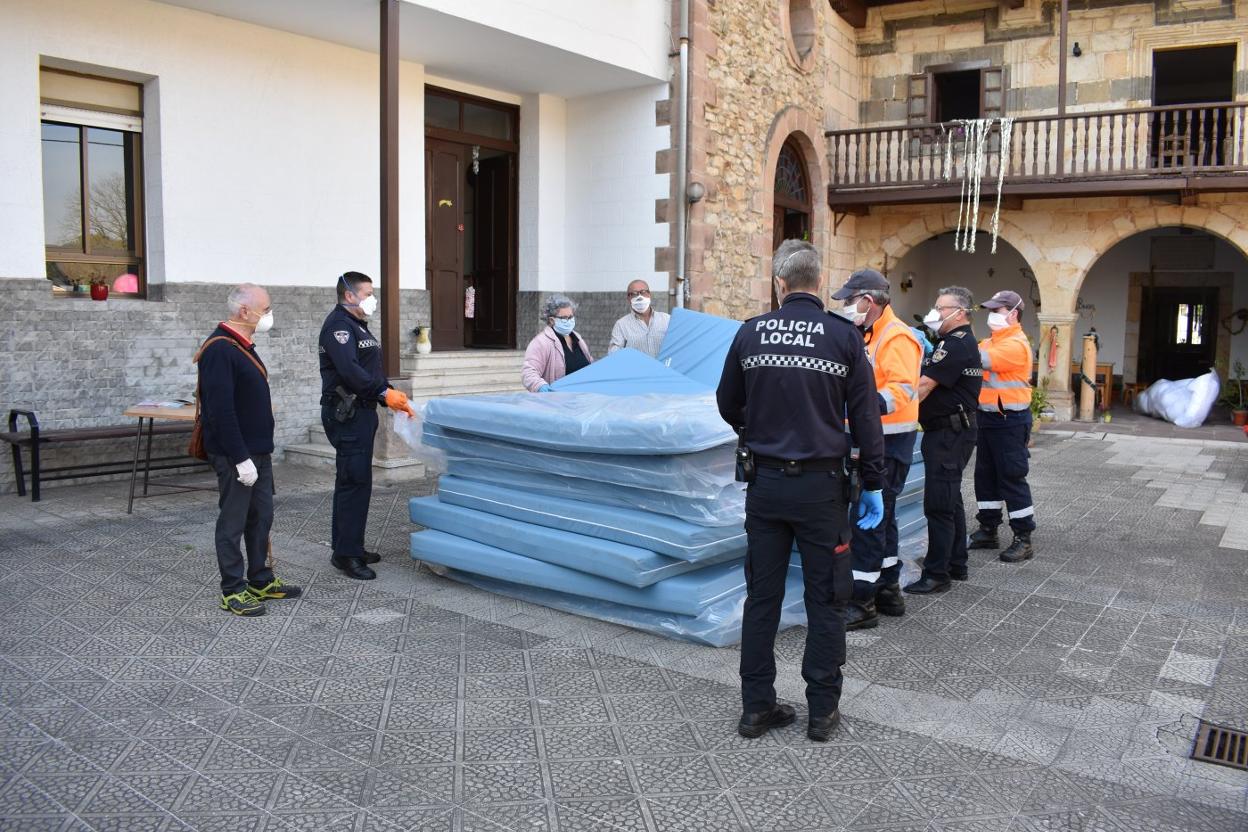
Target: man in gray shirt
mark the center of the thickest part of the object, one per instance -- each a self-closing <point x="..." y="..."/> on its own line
<point x="643" y="328"/>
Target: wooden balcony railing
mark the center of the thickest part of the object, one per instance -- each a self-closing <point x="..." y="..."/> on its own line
<point x="1136" y="145"/>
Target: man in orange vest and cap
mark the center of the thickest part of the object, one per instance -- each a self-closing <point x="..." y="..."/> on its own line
<point x="1001" y="455"/>
<point x="896" y="358"/>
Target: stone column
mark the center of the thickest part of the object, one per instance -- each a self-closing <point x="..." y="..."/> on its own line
<point x="1060" y="398"/>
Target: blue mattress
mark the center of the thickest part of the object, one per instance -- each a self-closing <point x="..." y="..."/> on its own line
<point x="719" y="625"/>
<point x="642" y="424"/>
<point x="627" y="373"/>
<point x="687" y="594"/>
<point x="727" y="508"/>
<point x="701" y="475"/>
<point x="604" y="558"/>
<point x="659" y="533"/>
<point x="696" y="345"/>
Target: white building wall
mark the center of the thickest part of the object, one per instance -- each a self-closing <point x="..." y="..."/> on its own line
<point x="612" y="188"/>
<point x="542" y="193"/>
<point x="268" y="149"/>
<point x="633" y="34"/>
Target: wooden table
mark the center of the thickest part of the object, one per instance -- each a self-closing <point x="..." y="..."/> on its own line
<point x="184" y="414"/>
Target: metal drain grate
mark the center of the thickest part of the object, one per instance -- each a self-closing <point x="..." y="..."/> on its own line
<point x="1221" y="746"/>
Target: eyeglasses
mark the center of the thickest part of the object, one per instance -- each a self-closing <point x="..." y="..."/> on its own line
<point x="564" y="317"/>
<point x="641" y="293"/>
<point x="938" y="306"/>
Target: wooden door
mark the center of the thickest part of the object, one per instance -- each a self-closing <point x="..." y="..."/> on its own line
<point x="444" y="242"/>
<point x="494" y="267"/>
<point x="1178" y="337"/>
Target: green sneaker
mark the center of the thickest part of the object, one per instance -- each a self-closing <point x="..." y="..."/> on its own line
<point x="275" y="590"/>
<point x="242" y="603"/>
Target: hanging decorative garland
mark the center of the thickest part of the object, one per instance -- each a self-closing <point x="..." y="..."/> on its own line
<point x="975" y="135"/>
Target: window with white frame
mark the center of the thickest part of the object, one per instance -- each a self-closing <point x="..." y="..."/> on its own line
<point x="92" y="142"/>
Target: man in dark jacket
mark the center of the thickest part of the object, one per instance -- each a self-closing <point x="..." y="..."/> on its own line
<point x="236" y="415"/>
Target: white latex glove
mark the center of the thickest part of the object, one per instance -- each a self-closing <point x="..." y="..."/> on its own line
<point x="247" y="473"/>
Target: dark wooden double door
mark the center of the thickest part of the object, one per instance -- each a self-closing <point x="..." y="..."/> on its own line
<point x="1178" y="334"/>
<point x="470" y="241"/>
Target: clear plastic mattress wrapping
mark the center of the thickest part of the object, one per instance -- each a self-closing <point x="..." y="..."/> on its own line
<point x="613" y="497"/>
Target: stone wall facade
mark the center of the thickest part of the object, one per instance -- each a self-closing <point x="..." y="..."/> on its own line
<point x="80" y="363"/>
<point x="1061" y="239"/>
<point x="750" y="90"/>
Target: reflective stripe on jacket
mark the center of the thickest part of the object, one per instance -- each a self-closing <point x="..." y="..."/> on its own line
<point x="1007" y="362"/>
<point x="895" y="354"/>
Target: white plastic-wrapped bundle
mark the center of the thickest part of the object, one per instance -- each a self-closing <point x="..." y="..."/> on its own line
<point x="1184" y="403"/>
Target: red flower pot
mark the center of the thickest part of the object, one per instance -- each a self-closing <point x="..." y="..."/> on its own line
<point x="99" y="291"/>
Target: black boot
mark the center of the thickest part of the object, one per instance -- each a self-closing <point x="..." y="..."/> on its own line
<point x="888" y="600"/>
<point x="985" y="537"/>
<point x="1020" y="550"/>
<point x="752" y="726"/>
<point x="861" y="615"/>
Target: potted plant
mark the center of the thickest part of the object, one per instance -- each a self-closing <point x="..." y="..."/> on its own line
<point x="1234" y="396"/>
<point x="99" y="288"/>
<point x="423" y="347"/>
<point x="1041" y="411"/>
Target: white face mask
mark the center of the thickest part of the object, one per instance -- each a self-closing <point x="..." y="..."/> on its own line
<point x="850" y="313"/>
<point x="933" y="320"/>
<point x="368" y="306"/>
<point x="640" y="304"/>
<point x="565" y="326"/>
<point x="999" y="320"/>
<point x="266" y="322"/>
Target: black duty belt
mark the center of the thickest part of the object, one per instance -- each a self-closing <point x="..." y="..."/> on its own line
<point x="332" y="399"/>
<point x="951" y="422"/>
<point x="798" y="466"/>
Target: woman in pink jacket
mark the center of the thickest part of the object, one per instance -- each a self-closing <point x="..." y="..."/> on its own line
<point x="557" y="350"/>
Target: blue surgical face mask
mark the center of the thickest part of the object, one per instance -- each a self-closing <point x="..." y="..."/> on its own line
<point x="565" y="326"/>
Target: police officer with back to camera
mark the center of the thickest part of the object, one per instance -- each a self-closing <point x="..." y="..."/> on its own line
<point x="790" y="379"/>
<point x="353" y="383"/>
<point x="948" y="400"/>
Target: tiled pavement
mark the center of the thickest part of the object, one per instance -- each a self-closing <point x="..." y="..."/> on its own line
<point x="1057" y="695"/>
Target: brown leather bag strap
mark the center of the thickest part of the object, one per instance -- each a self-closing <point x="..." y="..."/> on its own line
<point x="200" y="352"/>
<point x="238" y="346"/>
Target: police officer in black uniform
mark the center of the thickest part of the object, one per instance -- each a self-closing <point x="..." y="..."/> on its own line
<point x="352" y="385"/>
<point x="948" y="400"/>
<point x="790" y="379"/>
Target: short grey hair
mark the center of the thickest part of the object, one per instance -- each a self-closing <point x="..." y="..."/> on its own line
<point x="962" y="294"/>
<point x="796" y="262"/>
<point x="239" y="297"/>
<point x="880" y="297"/>
<point x="556" y="302"/>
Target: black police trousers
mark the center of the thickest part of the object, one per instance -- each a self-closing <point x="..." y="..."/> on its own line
<point x="945" y="455"/>
<point x="809" y="508"/>
<point x="1001" y="466"/>
<point x="353" y="485"/>
<point x="244" y="521"/>
<point x="874" y="551"/>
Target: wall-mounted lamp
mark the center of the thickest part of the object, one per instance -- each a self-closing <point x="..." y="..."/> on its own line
<point x="695" y="192"/>
<point x="907" y="282"/>
<point x="1076" y="51"/>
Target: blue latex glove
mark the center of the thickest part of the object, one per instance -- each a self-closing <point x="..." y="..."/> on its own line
<point x="923" y="340"/>
<point x="870" y="509"/>
<point x="545" y="388"/>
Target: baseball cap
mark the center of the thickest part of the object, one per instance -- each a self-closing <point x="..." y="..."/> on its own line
<point x="863" y="280"/>
<point x="1004" y="299"/>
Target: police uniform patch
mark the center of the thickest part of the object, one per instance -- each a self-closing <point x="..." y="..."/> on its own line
<point x="958" y="334"/>
<point x="342" y="336"/>
<point x="938" y="355"/>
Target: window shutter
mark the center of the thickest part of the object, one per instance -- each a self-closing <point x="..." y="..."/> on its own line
<point x="919" y="111"/>
<point x="992" y="92"/>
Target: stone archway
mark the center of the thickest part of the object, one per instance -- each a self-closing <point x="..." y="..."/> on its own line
<point x="796" y="128"/>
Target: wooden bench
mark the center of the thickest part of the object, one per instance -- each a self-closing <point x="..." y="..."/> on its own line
<point x="34" y="438"/>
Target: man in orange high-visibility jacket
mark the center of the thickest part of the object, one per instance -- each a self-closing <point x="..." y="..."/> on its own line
<point x="1001" y="455"/>
<point x="896" y="358"/>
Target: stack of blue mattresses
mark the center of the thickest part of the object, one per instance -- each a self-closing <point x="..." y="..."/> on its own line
<point x="612" y="497"/>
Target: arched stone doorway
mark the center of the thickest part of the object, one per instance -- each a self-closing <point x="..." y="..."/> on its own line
<point x="792" y="197"/>
<point x="1168" y="302"/>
